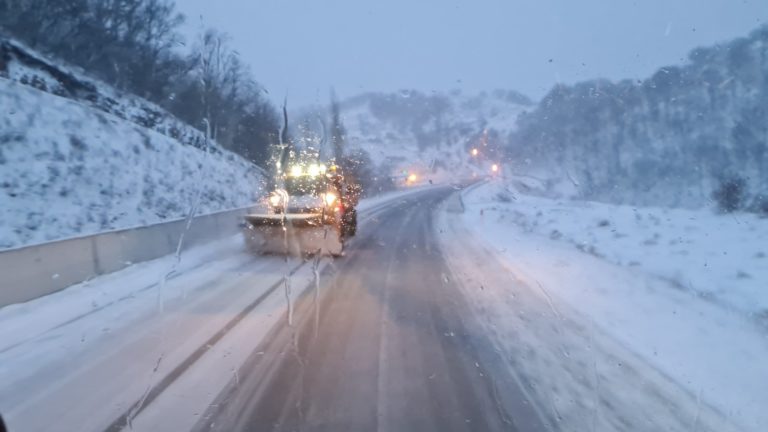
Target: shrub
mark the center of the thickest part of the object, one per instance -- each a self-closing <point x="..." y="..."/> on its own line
<point x="730" y="194"/>
<point x="759" y="204"/>
<point x="504" y="197"/>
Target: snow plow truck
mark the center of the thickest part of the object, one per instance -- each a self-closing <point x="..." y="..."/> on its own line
<point x="310" y="211"/>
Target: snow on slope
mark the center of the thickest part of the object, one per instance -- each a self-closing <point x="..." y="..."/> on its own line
<point x="431" y="134"/>
<point x="69" y="170"/>
<point x="78" y="156"/>
<point x="26" y="66"/>
<point x="684" y="290"/>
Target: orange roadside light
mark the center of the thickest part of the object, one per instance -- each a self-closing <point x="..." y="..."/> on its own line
<point x="494" y="168"/>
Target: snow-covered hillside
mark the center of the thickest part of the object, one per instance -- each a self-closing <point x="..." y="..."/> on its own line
<point x="431" y="135"/>
<point x="78" y="157"/>
<point x="21" y="64"/>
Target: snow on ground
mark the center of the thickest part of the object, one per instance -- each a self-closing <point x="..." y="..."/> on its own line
<point x="121" y="334"/>
<point x="26" y="320"/>
<point x="720" y="258"/>
<point x="68" y="169"/>
<point x="685" y="291"/>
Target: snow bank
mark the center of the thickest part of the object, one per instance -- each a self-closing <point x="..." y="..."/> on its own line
<point x="684" y="290"/>
<point x="719" y="258"/>
<point x="68" y="169"/>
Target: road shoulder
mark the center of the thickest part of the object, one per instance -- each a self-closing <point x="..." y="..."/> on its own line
<point x="580" y="377"/>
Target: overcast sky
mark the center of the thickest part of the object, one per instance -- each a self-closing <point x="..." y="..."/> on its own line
<point x="300" y="48"/>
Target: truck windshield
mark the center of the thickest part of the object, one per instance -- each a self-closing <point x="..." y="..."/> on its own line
<point x="304" y="185"/>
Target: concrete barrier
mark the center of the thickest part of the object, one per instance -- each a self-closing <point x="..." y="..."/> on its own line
<point x="33" y="271"/>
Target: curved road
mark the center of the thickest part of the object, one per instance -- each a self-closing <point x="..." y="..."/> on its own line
<point x="386" y="338"/>
<point x="385" y="341"/>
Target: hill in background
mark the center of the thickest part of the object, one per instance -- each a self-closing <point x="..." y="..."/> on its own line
<point x="685" y="136"/>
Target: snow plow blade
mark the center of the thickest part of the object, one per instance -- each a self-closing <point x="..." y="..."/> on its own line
<point x="293" y="234"/>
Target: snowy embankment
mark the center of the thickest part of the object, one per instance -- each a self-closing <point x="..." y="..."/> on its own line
<point x="684" y="291"/>
<point x="68" y="169"/>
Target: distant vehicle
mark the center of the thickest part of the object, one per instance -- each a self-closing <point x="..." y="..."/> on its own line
<point x="312" y="213"/>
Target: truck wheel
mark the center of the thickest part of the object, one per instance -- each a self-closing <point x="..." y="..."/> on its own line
<point x="353" y="223"/>
<point x="349" y="223"/>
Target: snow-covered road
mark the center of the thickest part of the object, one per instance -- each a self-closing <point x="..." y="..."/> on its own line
<point x="118" y="341"/>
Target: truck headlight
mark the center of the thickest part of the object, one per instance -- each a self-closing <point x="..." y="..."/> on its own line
<point x="275" y="199"/>
<point x="329" y="198"/>
<point x="296" y="171"/>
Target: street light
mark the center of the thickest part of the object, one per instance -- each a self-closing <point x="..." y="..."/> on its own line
<point x="495" y="168"/>
<point x="474" y="152"/>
